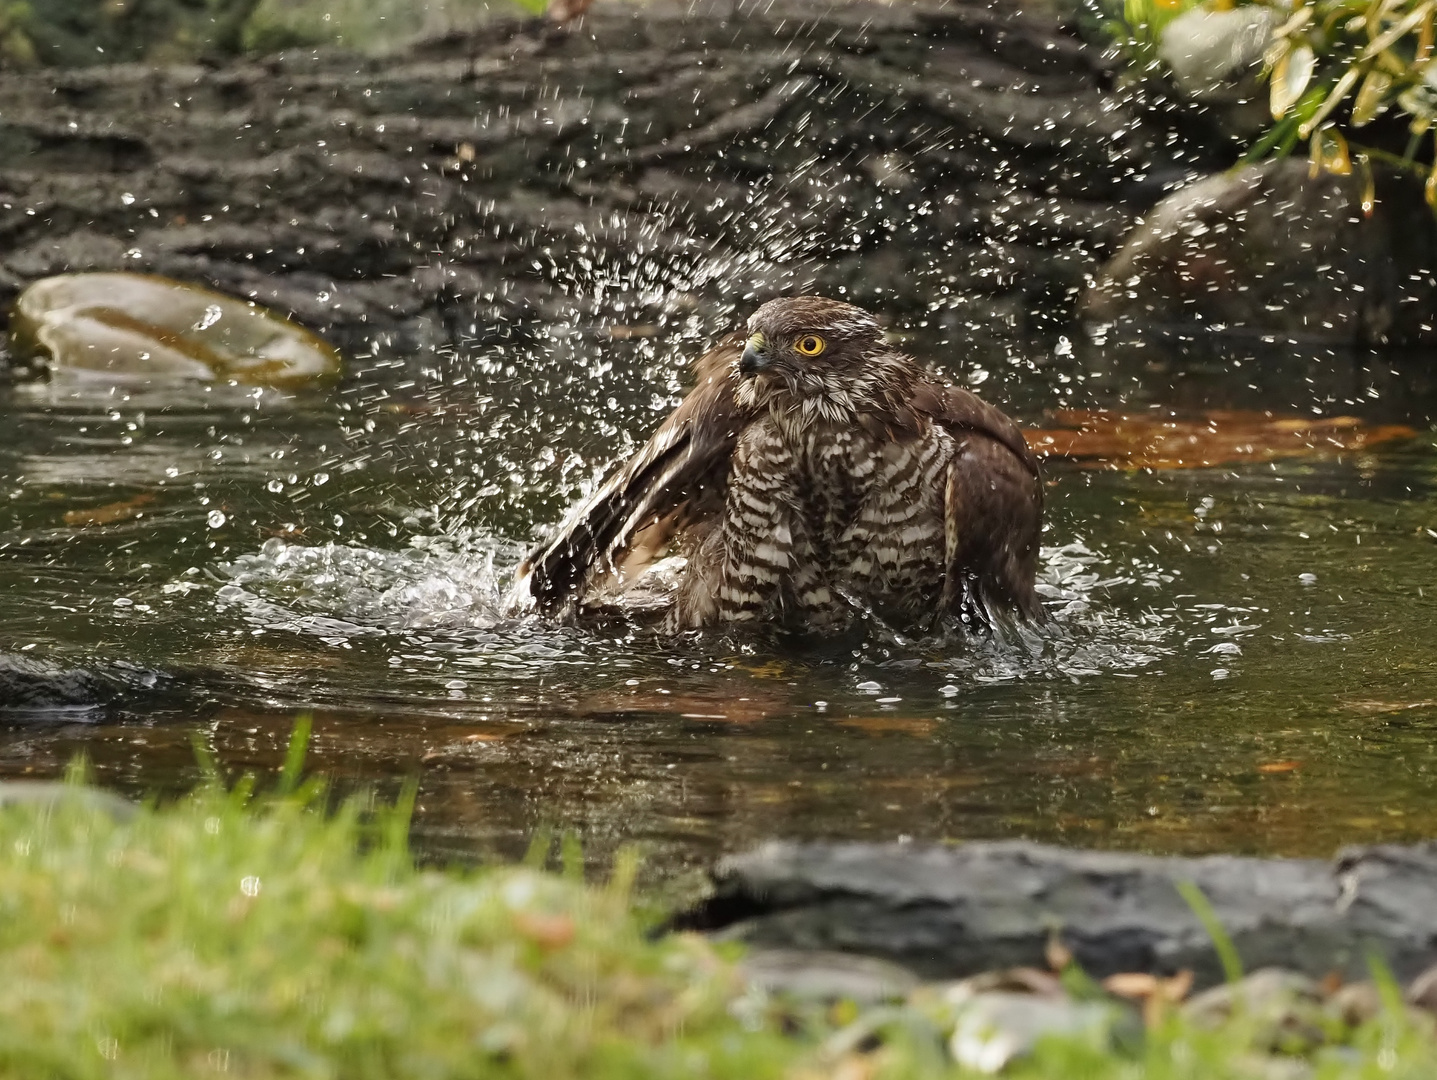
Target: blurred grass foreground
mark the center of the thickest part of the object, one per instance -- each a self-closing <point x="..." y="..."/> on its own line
<point x="269" y="936"/>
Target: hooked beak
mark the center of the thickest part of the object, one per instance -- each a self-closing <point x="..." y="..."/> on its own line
<point x="754" y="359"/>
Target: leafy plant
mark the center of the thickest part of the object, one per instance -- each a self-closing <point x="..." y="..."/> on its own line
<point x="1352" y="60"/>
<point x="1332" y="68"/>
<point x="1137" y="25"/>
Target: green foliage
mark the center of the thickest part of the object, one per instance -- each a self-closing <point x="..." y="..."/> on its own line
<point x="1135" y="25"/>
<point x="1226" y="951"/>
<point x="268" y="936"/>
<point x="1332" y="67"/>
<point x="78" y="32"/>
<point x="261" y="937"/>
<point x="1343" y="63"/>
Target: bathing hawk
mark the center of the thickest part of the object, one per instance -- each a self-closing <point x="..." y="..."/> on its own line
<point x="813" y="474"/>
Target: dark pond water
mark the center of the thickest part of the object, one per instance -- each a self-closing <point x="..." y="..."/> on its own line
<point x="1240" y="660"/>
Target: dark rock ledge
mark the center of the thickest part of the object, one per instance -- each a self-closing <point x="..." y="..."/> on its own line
<point x="946" y="912"/>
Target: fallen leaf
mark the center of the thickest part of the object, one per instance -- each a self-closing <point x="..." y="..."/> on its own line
<point x="1279" y="766"/>
<point x="110" y="513"/>
<point x="1057" y="955"/>
<point x="545" y="931"/>
<point x="1155" y="992"/>
<point x="1131" y="984"/>
<point x="854" y="1067"/>
<point x="890" y="725"/>
<point x="1097" y="438"/>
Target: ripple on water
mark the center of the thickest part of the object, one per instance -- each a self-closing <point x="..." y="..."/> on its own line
<point x="348" y="590"/>
<point x="1103" y="619"/>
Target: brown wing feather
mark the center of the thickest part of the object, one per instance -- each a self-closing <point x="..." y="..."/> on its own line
<point x="958" y="410"/>
<point x="993" y="506"/>
<point x="675" y="481"/>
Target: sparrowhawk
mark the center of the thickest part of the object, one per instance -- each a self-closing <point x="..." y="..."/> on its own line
<point x="813" y="473"/>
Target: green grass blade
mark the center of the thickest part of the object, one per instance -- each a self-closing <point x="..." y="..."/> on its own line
<point x="1226" y="951"/>
<point x="289" y="774"/>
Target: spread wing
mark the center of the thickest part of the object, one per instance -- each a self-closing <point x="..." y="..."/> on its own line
<point x="676" y="481"/>
<point x="993" y="506"/>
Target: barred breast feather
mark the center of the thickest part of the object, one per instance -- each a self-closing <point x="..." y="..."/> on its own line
<point x="889" y="493"/>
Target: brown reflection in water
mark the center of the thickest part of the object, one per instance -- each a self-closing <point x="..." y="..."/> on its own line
<point x="628" y="765"/>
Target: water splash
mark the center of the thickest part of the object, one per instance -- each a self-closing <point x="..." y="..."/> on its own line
<point x="343" y="590"/>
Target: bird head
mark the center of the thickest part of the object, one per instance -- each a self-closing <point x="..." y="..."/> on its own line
<point x="805" y="341"/>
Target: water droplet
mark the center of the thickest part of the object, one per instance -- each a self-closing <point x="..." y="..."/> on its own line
<point x="216" y="519"/>
<point x="275" y="486"/>
<point x="1307" y="579"/>
<point x="211" y="316"/>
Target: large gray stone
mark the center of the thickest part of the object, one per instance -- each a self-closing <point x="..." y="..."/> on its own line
<point x="1269" y="248"/>
<point x="952" y="911"/>
<point x="1215" y="58"/>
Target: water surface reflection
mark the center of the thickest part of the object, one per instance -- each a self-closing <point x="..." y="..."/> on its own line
<point x="1238" y="659"/>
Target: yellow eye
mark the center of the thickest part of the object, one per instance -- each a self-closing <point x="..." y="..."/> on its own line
<point x="810" y="345"/>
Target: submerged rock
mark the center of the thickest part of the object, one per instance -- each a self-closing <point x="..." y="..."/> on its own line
<point x="142" y="326"/>
<point x="32" y="686"/>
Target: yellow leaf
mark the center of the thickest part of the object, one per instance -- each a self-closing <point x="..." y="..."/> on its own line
<point x="1340" y="91"/>
<point x="1290" y="76"/>
<point x="1328" y="153"/>
<point x="1371" y="98"/>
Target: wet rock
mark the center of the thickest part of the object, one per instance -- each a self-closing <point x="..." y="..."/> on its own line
<point x="948" y="912"/>
<point x="47" y="793"/>
<point x="675" y="140"/>
<point x="1269" y="248"/>
<point x="142" y="326"/>
<point x="1355" y="1003"/>
<point x="29" y="685"/>
<point x="1285" y="1009"/>
<point x="1215" y="57"/>
<point x="1422" y="992"/>
<point x="826" y="976"/>
<point x="994" y="1028"/>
